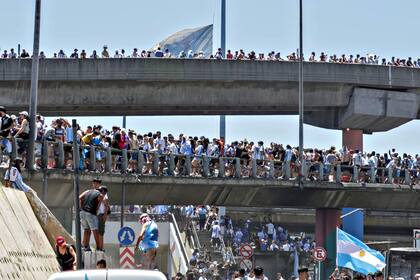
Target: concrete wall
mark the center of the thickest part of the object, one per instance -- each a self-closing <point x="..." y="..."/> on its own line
<point x="25" y="252"/>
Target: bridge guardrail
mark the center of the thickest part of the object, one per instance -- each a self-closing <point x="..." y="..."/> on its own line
<point x="52" y="154"/>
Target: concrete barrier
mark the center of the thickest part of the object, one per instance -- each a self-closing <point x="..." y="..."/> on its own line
<point x="25" y="252"/>
<point x="51" y="226"/>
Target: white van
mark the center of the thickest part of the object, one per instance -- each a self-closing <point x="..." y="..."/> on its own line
<point x="109" y="274"/>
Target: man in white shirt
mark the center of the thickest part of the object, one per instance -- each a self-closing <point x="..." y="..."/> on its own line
<point x="103" y="211"/>
<point x="259" y="274"/>
<point x="215" y="235"/>
<point x="159" y="142"/>
<point x="12" y="54"/>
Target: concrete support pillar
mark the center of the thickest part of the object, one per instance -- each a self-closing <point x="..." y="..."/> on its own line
<point x="124" y="160"/>
<point x="60" y="159"/>
<point x="254" y="168"/>
<point x="221" y="167"/>
<point x="92" y="158"/>
<point x="327" y="220"/>
<point x="188" y="167"/>
<point x="140" y="162"/>
<point x="353" y="139"/>
<point x="353" y="223"/>
<point x="108" y="160"/>
<point x="44" y="154"/>
<point x="171" y="165"/>
<point x="237" y="168"/>
<point x="206" y="167"/>
<point x="155" y="164"/>
<point x="271" y="172"/>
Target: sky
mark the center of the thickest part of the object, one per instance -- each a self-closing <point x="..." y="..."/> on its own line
<point x="387" y="28"/>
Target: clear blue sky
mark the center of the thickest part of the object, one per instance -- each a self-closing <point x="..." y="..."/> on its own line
<point x="386" y="28"/>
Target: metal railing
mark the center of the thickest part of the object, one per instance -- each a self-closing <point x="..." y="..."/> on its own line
<point x="59" y="155"/>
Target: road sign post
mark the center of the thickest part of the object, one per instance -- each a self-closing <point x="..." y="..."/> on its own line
<point x="246" y="264"/>
<point x="320" y="255"/>
<point x="127" y="258"/>
<point x="126" y="236"/>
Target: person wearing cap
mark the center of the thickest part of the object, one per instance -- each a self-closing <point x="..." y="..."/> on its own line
<point x="66" y="254"/>
<point x="103" y="212"/>
<point x="147" y="241"/>
<point x="303" y="273"/>
<point x="23" y="128"/>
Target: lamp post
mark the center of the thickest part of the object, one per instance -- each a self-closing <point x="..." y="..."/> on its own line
<point x="301" y="101"/>
<point x="34" y="88"/>
<point x="222" y="118"/>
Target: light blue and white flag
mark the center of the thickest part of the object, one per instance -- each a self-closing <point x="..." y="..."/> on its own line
<point x="356" y="255"/>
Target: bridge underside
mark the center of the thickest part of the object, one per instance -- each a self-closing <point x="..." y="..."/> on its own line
<point x="230" y="192"/>
<point x="338" y="96"/>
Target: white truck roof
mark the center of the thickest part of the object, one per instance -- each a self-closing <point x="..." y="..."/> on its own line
<point x="109" y="274"/>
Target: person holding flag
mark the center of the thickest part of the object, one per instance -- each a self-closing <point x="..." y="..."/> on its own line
<point x="356" y="255"/>
<point x="147" y="241"/>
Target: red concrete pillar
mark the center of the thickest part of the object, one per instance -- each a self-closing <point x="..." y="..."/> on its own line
<point x="327" y="221"/>
<point x="353" y="223"/>
<point x="353" y="139"/>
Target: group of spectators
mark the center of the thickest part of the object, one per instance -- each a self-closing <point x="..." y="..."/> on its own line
<point x="402" y="165"/>
<point x="230" y="55"/>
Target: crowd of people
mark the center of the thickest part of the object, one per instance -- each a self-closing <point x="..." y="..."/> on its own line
<point x="321" y="163"/>
<point x="261" y="236"/>
<point x="230" y="55"/>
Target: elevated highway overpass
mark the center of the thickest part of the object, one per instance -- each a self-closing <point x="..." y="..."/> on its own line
<point x="364" y="97"/>
<point x="237" y="192"/>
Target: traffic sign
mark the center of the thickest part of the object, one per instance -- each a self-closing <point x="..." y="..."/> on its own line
<point x="246" y="264"/>
<point x="320" y="254"/>
<point x="127" y="258"/>
<point x="126" y="236"/>
<point x="246" y="251"/>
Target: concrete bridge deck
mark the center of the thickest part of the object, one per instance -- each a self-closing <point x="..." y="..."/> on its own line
<point x="368" y="97"/>
<point x="157" y="190"/>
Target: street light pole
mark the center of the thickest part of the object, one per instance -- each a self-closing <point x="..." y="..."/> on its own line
<point x="222" y="118"/>
<point x="301" y="104"/>
<point x="34" y="88"/>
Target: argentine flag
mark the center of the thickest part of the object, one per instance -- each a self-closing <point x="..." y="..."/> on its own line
<point x="356" y="255"/>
